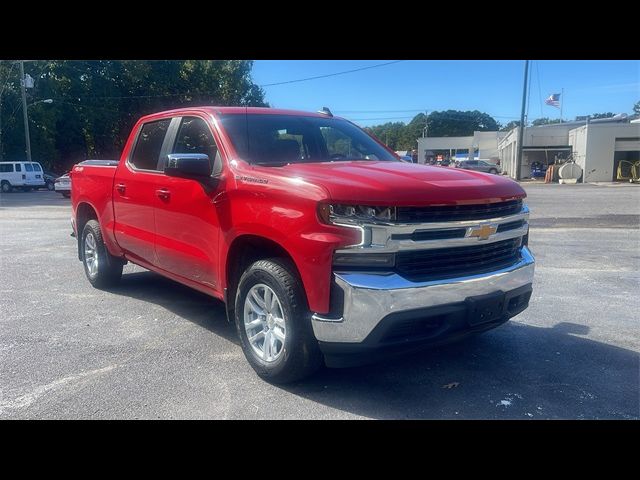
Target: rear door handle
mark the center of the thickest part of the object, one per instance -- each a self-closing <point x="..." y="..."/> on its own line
<point x="163" y="193"/>
<point x="121" y="187"/>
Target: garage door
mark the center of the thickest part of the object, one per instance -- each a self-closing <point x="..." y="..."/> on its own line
<point x="628" y="144"/>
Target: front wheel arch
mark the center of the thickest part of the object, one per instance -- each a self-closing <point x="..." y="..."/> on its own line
<point x="244" y="251"/>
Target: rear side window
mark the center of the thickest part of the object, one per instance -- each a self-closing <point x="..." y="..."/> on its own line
<point x="28" y="167"/>
<point x="147" y="150"/>
<point x="6" y="167"/>
<point x="18" y="167"/>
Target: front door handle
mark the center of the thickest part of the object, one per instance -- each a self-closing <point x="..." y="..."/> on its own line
<point x="163" y="193"/>
<point x="121" y="187"/>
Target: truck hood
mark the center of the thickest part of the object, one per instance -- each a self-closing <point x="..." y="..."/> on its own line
<point x="399" y="183"/>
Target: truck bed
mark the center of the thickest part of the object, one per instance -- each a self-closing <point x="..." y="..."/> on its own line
<point x="92" y="184"/>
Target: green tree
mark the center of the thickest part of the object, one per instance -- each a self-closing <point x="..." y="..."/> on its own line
<point x="455" y="123"/>
<point x="602" y="115"/>
<point x="636" y="108"/>
<point x="510" y="126"/>
<point x="545" y="121"/>
<point x="412" y="132"/>
<point x="390" y="134"/>
<point x="95" y="103"/>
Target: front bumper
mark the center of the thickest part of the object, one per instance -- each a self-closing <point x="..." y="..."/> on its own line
<point x="374" y="302"/>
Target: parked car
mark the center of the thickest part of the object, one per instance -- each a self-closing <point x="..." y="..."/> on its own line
<point x="49" y="179"/>
<point x="23" y="175"/>
<point x="322" y="244"/>
<point x="479" y="166"/>
<point x="62" y="185"/>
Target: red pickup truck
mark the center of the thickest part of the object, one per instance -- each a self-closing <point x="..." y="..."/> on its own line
<point x="324" y="245"/>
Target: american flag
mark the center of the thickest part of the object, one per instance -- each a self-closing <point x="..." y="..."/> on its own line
<point x="553" y="100"/>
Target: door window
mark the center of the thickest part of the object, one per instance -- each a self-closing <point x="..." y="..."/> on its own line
<point x="194" y="136"/>
<point x="147" y="150"/>
<point x="28" y="167"/>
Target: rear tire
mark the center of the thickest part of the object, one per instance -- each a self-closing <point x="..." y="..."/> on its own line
<point x="5" y="187"/>
<point x="66" y="195"/>
<point x="493" y="171"/>
<point x="286" y="322"/>
<point x="101" y="268"/>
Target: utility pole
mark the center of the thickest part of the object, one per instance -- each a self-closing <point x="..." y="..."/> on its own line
<point x="521" y="129"/>
<point x="24" y="111"/>
<point x="425" y="130"/>
<point x="1" y="155"/>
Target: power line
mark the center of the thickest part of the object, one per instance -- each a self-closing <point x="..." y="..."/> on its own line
<point x="380" y="118"/>
<point x="440" y="114"/>
<point x="380" y="111"/>
<point x="459" y="117"/>
<point x="332" y="74"/>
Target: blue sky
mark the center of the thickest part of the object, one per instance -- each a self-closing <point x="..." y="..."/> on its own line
<point x="378" y="95"/>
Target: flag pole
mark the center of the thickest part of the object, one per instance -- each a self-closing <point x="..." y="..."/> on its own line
<point x="561" y="102"/>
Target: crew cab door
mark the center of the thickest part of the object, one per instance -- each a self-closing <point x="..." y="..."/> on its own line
<point x="134" y="192"/>
<point x="187" y="224"/>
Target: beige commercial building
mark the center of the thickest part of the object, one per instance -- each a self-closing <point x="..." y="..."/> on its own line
<point x="483" y="144"/>
<point x="597" y="147"/>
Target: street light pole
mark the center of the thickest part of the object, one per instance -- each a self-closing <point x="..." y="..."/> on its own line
<point x="24" y="111"/>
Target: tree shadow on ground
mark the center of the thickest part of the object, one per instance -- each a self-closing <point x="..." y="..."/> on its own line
<point x="35" y="198"/>
<point x="515" y="371"/>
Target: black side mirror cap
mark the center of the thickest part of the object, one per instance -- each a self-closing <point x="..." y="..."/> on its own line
<point x="196" y="166"/>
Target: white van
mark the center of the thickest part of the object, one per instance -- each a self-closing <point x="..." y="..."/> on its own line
<point x="25" y="175"/>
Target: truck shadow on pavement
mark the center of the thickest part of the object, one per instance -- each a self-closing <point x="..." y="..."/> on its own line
<point x="516" y="371"/>
<point x="201" y="309"/>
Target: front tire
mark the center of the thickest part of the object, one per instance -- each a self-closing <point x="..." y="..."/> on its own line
<point x="274" y="323"/>
<point x="101" y="268"/>
<point x="493" y="171"/>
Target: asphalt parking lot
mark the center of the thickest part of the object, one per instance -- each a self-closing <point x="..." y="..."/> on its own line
<point x="154" y="349"/>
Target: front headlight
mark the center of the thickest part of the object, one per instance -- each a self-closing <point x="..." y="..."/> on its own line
<point x="355" y="214"/>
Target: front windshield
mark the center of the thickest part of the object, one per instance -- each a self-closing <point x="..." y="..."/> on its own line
<point x="267" y="139"/>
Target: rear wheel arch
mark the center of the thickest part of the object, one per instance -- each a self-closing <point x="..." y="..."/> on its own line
<point x="84" y="213"/>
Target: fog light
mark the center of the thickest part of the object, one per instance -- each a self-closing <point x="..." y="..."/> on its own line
<point x="373" y="260"/>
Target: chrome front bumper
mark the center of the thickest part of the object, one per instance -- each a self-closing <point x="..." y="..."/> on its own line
<point x="369" y="298"/>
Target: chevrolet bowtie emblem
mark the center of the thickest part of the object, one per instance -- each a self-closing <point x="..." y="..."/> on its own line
<point x="483" y="232"/>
